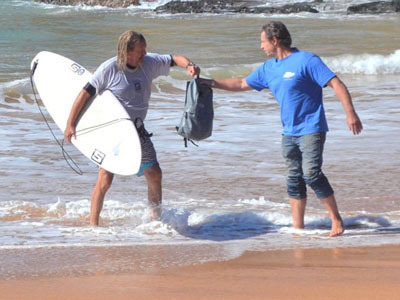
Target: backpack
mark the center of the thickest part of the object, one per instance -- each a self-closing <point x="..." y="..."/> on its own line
<point x="197" y="119"/>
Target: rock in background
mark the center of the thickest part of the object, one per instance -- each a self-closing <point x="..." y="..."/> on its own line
<point x="235" y="6"/>
<point x="378" y="7"/>
<point x="232" y="6"/>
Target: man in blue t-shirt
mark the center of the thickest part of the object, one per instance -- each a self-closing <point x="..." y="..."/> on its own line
<point x="296" y="79"/>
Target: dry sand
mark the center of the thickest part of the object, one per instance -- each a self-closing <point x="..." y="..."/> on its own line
<point x="339" y="273"/>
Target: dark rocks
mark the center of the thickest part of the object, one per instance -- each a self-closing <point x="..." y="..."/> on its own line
<point x="231" y="6"/>
<point x="107" y="3"/>
<point x="377" y="7"/>
<point x="286" y="9"/>
<point x="236" y="6"/>
<point x="199" y="6"/>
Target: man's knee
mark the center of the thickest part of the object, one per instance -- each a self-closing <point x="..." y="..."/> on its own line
<point x="153" y="174"/>
<point x="104" y="180"/>
<point x="312" y="175"/>
<point x="320" y="184"/>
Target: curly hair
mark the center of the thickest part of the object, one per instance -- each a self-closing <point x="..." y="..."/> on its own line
<point x="279" y="31"/>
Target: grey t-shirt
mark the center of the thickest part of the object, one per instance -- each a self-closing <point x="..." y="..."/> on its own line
<point x="131" y="87"/>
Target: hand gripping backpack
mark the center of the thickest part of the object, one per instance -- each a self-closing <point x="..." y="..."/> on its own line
<point x="197" y="119"/>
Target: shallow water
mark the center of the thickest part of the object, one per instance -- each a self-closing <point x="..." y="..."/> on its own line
<point x="223" y="197"/>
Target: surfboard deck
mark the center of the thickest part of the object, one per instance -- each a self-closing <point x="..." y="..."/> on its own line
<point x="104" y="132"/>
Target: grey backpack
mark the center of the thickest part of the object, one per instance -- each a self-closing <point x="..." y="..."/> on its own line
<point x="197" y="119"/>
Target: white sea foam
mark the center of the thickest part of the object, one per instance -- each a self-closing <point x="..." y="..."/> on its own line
<point x="155" y="4"/>
<point x="60" y="9"/>
<point x="370" y="64"/>
<point x="363" y="64"/>
<point x="60" y="223"/>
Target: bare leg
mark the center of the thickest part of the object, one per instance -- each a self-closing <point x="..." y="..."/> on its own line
<point x="104" y="180"/>
<point x="154" y="177"/>
<point x="337" y="223"/>
<point x="298" y="210"/>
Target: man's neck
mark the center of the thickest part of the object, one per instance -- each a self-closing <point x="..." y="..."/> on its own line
<point x="130" y="67"/>
<point x="283" y="52"/>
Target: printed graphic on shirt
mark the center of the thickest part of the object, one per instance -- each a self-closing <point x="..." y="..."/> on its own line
<point x="288" y="75"/>
<point x="138" y="86"/>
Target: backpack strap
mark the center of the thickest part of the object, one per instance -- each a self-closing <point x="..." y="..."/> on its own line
<point x="191" y="142"/>
<point x="185" y="141"/>
<point x="140" y="128"/>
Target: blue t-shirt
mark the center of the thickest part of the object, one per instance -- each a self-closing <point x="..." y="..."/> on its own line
<point x="296" y="83"/>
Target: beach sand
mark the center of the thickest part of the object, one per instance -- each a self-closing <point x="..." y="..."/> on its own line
<point x="338" y="273"/>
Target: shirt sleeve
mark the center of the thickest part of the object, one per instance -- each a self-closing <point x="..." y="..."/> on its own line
<point x="257" y="79"/>
<point x="160" y="64"/>
<point x="318" y="71"/>
<point x="98" y="79"/>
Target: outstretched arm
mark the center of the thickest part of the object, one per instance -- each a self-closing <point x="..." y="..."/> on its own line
<point x="341" y="91"/>
<point x="184" y="62"/>
<point x="230" y="84"/>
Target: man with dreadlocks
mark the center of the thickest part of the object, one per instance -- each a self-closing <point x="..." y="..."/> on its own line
<point x="129" y="76"/>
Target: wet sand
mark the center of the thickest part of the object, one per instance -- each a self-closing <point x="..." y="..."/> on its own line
<point x="338" y="273"/>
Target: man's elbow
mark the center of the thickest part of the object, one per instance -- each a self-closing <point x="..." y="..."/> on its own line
<point x="244" y="86"/>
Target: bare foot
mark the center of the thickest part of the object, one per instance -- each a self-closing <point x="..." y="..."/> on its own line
<point x="337" y="227"/>
<point x="155" y="213"/>
<point x="94" y="221"/>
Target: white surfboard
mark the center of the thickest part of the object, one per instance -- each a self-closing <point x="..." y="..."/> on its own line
<point x="104" y="133"/>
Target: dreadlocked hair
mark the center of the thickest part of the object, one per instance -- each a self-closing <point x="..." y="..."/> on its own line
<point x="127" y="42"/>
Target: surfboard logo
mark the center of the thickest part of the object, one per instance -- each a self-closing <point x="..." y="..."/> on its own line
<point x="77" y="69"/>
<point x="98" y="156"/>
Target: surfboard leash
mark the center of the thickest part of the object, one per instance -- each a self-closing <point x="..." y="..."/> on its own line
<point x="87" y="130"/>
<point x="70" y="161"/>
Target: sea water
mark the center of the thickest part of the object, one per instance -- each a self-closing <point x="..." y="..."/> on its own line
<point x="221" y="198"/>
